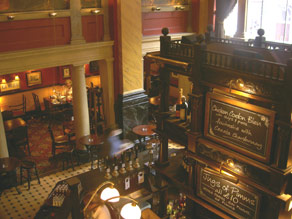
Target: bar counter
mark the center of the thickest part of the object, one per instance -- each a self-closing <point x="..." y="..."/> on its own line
<point x="82" y="184"/>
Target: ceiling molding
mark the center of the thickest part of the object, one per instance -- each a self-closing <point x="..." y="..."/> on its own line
<point x="77" y="54"/>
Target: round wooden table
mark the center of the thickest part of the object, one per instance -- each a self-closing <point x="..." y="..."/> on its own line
<point x="8" y="166"/>
<point x="91" y="140"/>
<point x="93" y="143"/>
<point x="144" y="130"/>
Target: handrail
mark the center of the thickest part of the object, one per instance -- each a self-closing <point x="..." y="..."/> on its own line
<point x="271" y="70"/>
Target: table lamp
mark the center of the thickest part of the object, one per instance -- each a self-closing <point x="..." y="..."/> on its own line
<point x="129" y="210"/>
<point x="106" y="194"/>
<point x="110" y="194"/>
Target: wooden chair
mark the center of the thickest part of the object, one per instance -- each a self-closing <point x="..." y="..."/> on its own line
<point x="58" y="142"/>
<point x="19" y="110"/>
<point x="20" y="138"/>
<point x="62" y="142"/>
<point x="38" y="109"/>
<point x="53" y="113"/>
<point x="28" y="164"/>
<point x="7" y="115"/>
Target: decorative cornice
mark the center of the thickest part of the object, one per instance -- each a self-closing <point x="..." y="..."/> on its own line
<point x="77" y="54"/>
<point x="31" y="15"/>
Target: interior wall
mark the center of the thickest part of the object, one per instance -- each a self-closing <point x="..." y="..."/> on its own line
<point x="13" y="99"/>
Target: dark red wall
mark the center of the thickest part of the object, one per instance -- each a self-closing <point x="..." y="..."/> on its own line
<point x="176" y="21"/>
<point x="28" y="34"/>
<point x="92" y="28"/>
<point x="50" y="77"/>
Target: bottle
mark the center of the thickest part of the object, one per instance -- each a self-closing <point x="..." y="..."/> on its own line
<point x="178" y="104"/>
<point x="183" y="110"/>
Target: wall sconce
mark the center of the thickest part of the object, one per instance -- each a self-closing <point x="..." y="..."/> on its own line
<point x="16" y="78"/>
<point x="95" y="11"/>
<point x="3" y="81"/>
<point x="53" y="14"/>
<point x="238" y="84"/>
<point x="225" y="175"/>
<point x="179" y="8"/>
<point x="110" y="194"/>
<point x="230" y="163"/>
<point x="10" y="17"/>
<point x="155" y="8"/>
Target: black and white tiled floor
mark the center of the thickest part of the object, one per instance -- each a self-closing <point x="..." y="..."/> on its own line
<point x="26" y="204"/>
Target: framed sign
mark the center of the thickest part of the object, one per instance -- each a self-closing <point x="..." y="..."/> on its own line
<point x="66" y="72"/>
<point x="34" y="78"/>
<point x="235" y="199"/>
<point x="12" y="85"/>
<point x="240" y="126"/>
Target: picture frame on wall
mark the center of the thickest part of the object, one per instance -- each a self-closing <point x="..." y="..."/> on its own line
<point x="9" y="86"/>
<point x="93" y="66"/>
<point x="34" y="78"/>
<point x="66" y="72"/>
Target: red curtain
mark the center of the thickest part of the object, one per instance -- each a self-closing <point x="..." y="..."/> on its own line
<point x="223" y="8"/>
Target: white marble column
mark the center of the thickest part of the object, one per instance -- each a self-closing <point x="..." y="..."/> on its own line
<point x="107" y="84"/>
<point x="76" y="23"/>
<point x="3" y="143"/>
<point x="80" y="103"/>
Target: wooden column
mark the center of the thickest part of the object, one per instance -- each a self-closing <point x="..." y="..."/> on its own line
<point x="3" y="143"/>
<point x="76" y="24"/>
<point x="80" y="103"/>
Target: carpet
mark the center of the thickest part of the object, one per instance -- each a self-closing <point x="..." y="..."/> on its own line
<point x="41" y="145"/>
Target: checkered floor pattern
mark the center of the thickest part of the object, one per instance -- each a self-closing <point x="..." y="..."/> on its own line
<point x="26" y="204"/>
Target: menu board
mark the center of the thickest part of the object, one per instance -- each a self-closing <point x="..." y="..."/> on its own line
<point x="233" y="198"/>
<point x="243" y="127"/>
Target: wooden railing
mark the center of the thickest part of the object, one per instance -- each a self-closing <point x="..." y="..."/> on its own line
<point x="277" y="46"/>
<point x="181" y="51"/>
<point x="266" y="69"/>
<point x="249" y="43"/>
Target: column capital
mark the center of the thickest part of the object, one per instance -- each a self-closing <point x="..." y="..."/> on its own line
<point x="111" y="59"/>
<point x="79" y="64"/>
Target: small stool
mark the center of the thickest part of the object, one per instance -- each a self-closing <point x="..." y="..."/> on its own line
<point x="28" y="165"/>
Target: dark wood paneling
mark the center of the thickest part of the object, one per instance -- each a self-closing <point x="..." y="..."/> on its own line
<point x="18" y="35"/>
<point x="92" y="28"/>
<point x="152" y="23"/>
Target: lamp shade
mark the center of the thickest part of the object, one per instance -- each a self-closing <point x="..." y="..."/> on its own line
<point x="108" y="193"/>
<point x="131" y="211"/>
